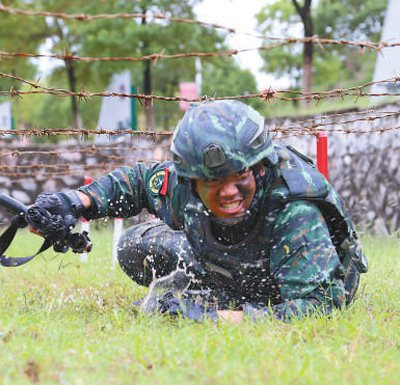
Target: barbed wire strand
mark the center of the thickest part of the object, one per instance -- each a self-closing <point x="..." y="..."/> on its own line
<point x="268" y="95"/>
<point x="292" y="130"/>
<point x="224" y="53"/>
<point x="305" y="127"/>
<point x="300" y="126"/>
<point x="286" y="40"/>
<point x="92" y="149"/>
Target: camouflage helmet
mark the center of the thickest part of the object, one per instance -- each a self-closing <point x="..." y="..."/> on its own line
<point x="218" y="138"/>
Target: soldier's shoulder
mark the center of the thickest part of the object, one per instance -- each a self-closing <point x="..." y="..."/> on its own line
<point x="297" y="214"/>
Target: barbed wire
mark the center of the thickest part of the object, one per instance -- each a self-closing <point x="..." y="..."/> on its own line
<point x="82" y="132"/>
<point x="43" y="170"/>
<point x="40" y="171"/>
<point x="92" y="150"/>
<point x="312" y="126"/>
<point x="268" y="95"/>
<point x="67" y="57"/>
<point x="314" y="130"/>
<point x="56" y="167"/>
<point x="305" y="127"/>
<point x="297" y="128"/>
<point x="86" y="17"/>
<point x="160" y="16"/>
<point x="153" y="57"/>
<point x="333" y="123"/>
<point x="308" y="127"/>
<point x="292" y="130"/>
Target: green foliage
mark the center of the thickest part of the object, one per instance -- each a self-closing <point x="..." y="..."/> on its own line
<point x="64" y="321"/>
<point x="281" y="14"/>
<point x="334" y="65"/>
<point x="228" y="79"/>
<point x="351" y="20"/>
<point x="15" y="39"/>
<point x="47" y="111"/>
<point x="278" y="20"/>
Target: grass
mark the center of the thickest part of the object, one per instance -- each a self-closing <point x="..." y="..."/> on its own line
<point x="67" y="322"/>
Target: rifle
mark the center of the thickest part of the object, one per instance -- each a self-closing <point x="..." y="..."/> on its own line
<point x="52" y="227"/>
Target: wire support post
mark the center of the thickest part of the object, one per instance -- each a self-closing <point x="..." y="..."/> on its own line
<point x="322" y="153"/>
<point x="118" y="230"/>
<point x="85" y="224"/>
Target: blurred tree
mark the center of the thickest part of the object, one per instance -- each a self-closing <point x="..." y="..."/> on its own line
<point x="335" y="19"/>
<point x="14" y="38"/>
<point x="308" y="47"/>
<point x="121" y="37"/>
<point x="356" y="20"/>
<point x="228" y="79"/>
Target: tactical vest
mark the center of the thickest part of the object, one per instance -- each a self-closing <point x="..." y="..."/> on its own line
<point x="242" y="269"/>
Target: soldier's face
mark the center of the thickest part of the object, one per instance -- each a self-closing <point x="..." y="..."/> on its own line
<point x="228" y="196"/>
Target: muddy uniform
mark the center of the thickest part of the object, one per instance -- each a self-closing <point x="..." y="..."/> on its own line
<point x="299" y="255"/>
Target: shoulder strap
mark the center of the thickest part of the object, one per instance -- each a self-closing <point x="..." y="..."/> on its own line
<point x="7" y="237"/>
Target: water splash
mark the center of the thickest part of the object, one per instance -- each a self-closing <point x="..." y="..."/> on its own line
<point x="176" y="283"/>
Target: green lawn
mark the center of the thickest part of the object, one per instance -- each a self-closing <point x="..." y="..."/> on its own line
<point x="67" y="322"/>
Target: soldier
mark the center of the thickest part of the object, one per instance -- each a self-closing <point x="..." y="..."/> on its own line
<point x="258" y="229"/>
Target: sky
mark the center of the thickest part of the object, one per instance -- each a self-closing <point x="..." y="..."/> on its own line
<point x="240" y="15"/>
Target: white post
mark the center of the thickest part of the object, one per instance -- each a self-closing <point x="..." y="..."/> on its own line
<point x="118" y="230"/>
<point x="85" y="225"/>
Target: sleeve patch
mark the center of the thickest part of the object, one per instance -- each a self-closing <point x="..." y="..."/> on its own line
<point x="158" y="182"/>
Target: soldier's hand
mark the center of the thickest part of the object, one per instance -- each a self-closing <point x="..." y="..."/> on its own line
<point x="233" y="317"/>
<point x="66" y="206"/>
<point x="186" y="309"/>
<point x="34" y="231"/>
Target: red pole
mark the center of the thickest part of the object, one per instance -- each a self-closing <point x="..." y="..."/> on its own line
<point x="86" y="180"/>
<point x="322" y="153"/>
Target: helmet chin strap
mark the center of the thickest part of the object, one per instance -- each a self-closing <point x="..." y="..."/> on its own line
<point x="229" y="221"/>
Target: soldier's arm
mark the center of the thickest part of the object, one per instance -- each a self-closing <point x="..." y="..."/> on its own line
<point x="127" y="190"/>
<point x="305" y="264"/>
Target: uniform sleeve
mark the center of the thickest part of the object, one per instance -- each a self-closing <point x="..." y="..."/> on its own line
<point x="305" y="264"/>
<point x="126" y="191"/>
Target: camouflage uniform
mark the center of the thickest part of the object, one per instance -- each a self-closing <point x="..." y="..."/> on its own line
<point x="301" y="256"/>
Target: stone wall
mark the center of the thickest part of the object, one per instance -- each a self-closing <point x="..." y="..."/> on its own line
<point x="363" y="167"/>
<point x="27" y="169"/>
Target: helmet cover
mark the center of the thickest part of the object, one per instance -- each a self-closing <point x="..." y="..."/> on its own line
<point x="218" y="138"/>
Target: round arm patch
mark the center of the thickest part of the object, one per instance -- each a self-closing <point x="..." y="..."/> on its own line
<point x="158" y="182"/>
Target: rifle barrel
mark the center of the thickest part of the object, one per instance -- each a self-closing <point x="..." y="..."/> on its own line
<point x="12" y="205"/>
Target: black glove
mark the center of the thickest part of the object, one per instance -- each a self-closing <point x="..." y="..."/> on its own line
<point x="186" y="309"/>
<point x="67" y="205"/>
<point x="54" y="215"/>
